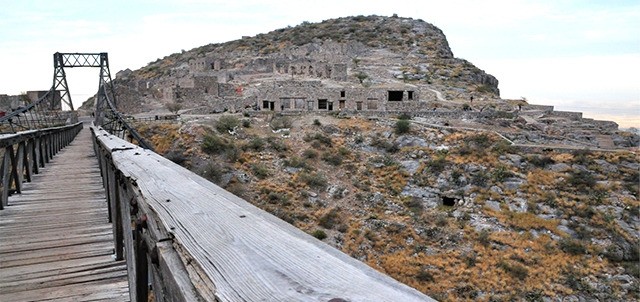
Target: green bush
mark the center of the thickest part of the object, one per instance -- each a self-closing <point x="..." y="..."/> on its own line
<point x="540" y="161"/>
<point x="281" y="122"/>
<point x="214" y="144"/>
<point x="514" y="269"/>
<point x="212" y="172"/>
<point x="480" y="141"/>
<point x="316" y="122"/>
<point x="227" y="123"/>
<point x="246" y="123"/>
<point x="572" y="246"/>
<point x="278" y="198"/>
<point x="503" y="147"/>
<point x="581" y="157"/>
<point x="329" y="219"/>
<point x="483" y="237"/>
<point x="424" y="276"/>
<point x="310" y="154"/>
<point x="313" y="180"/>
<point x="437" y="165"/>
<point x="500" y="173"/>
<point x="402" y="127"/>
<point x="320" y="138"/>
<point x="295" y="162"/>
<point x="255" y="144"/>
<point x="479" y="179"/>
<point x="320" y="234"/>
<point x="277" y="144"/>
<point x="260" y="171"/>
<point x="581" y="180"/>
<point x="332" y="158"/>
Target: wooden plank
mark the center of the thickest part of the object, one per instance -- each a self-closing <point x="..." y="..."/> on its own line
<point x="247" y="253"/>
<point x="110" y="289"/>
<point x="174" y="273"/>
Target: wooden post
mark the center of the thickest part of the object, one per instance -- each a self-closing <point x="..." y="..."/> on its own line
<point x="142" y="271"/>
<point x="4" y="170"/>
<point x="29" y="160"/>
<point x="19" y="168"/>
<point x="116" y="204"/>
<point x="13" y="178"/>
<point x="129" y="251"/>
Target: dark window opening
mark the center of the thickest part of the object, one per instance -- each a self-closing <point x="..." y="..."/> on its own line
<point x="410" y="95"/>
<point x="341" y="104"/>
<point x="358" y="105"/>
<point x="322" y="104"/>
<point x="448" y="201"/>
<point x="395" y="96"/>
<point x="265" y="104"/>
<point x="330" y="106"/>
<point x="342" y="93"/>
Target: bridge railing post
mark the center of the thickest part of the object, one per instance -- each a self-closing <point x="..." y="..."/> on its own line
<point x="5" y="171"/>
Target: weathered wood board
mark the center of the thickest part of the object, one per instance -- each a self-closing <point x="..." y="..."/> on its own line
<point x="55" y="239"/>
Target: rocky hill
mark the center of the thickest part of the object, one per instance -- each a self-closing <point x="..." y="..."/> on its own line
<point x="369" y="134"/>
<point x="458" y="214"/>
<point x="362" y="52"/>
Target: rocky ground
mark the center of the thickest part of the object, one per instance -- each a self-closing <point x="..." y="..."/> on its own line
<point x="457" y="214"/>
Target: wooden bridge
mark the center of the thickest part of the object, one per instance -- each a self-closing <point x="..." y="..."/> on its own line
<point x="106" y="220"/>
<point x="55" y="239"/>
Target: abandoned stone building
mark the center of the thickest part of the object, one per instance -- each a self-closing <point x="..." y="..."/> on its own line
<point x="313" y="96"/>
<point x="11" y="102"/>
<point x="285" y="84"/>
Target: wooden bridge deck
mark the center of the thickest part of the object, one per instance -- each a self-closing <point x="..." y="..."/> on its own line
<point x="55" y="240"/>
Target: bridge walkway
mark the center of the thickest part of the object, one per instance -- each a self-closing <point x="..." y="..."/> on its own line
<point x="55" y="239"/>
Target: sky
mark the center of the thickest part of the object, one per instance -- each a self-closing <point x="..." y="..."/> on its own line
<point x="576" y="55"/>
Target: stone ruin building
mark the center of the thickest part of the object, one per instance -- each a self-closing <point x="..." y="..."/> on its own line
<point x="9" y="103"/>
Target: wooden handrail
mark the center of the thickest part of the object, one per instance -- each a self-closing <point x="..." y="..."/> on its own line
<point x="24" y="153"/>
<point x="199" y="242"/>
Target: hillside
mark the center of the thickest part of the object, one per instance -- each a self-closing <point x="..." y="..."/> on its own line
<point x="365" y="52"/>
<point x="457" y="214"/>
<point x="467" y="197"/>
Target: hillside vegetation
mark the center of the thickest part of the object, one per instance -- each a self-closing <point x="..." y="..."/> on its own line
<point x="459" y="215"/>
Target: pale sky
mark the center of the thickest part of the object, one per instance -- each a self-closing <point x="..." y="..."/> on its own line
<point x="577" y="55"/>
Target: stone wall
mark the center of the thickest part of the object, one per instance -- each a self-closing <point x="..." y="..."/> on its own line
<point x="575" y="116"/>
<point x="8" y="102"/>
<point x="543" y="108"/>
<point x="312" y="95"/>
<point x="605" y="125"/>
